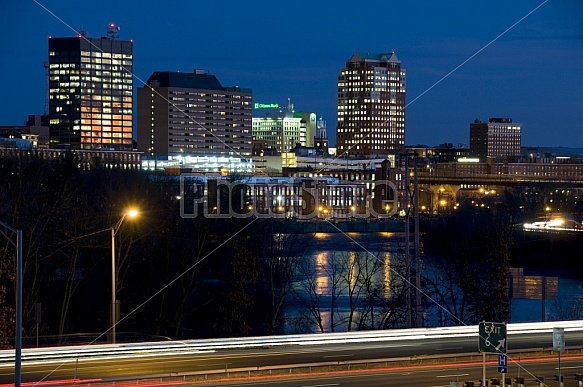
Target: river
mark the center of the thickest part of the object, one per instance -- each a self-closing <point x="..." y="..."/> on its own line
<point x="534" y="296"/>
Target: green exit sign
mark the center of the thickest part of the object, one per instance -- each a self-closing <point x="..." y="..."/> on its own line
<point x="492" y="337"/>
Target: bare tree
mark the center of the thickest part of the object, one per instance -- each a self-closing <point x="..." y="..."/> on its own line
<point x="449" y="301"/>
<point x="359" y="271"/>
<point x="281" y="254"/>
<point x="571" y="309"/>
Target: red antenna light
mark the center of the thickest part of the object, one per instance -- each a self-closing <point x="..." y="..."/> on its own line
<point x="113" y="31"/>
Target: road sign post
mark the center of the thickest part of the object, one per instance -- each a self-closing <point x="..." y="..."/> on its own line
<point x="502" y="366"/>
<point x="502" y="363"/>
<point x="559" y="346"/>
<point x="492" y="339"/>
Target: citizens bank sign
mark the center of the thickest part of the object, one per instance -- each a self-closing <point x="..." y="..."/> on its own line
<point x="266" y="106"/>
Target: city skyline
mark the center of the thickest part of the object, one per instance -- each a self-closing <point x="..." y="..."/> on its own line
<point x="531" y="73"/>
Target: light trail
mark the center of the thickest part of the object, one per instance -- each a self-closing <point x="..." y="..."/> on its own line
<point x="147" y="349"/>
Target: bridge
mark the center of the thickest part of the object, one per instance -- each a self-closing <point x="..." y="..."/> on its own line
<point x="444" y="188"/>
<point x="498" y="180"/>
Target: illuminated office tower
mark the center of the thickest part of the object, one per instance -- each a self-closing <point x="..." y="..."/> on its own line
<point x="91" y="92"/>
<point x="371" y="106"/>
<point x="193" y="114"/>
<point x="284" y="131"/>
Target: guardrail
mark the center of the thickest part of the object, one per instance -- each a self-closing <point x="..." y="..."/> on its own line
<point x="246" y="373"/>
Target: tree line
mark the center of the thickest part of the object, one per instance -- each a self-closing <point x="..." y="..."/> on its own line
<point x="186" y="278"/>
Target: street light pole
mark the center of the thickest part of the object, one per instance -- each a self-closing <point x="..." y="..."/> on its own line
<point x="113" y="280"/>
<point x="18" y="346"/>
<point x="18" y="336"/>
<point x="114" y="316"/>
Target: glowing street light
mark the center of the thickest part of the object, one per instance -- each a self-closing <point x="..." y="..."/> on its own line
<point x="114" y="317"/>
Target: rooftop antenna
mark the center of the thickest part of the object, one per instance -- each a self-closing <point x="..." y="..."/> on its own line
<point x="113" y="31"/>
<point x="82" y="33"/>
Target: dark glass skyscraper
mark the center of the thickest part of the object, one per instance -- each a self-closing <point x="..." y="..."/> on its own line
<point x="91" y="92"/>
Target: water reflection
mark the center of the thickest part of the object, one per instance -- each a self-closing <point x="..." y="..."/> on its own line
<point x="386" y="275"/>
<point x="339" y="266"/>
<point x="533" y="287"/>
<point x="322" y="278"/>
<point x="352" y="270"/>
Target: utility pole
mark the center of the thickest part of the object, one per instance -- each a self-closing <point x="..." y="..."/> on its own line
<point x="408" y="323"/>
<point x="419" y="315"/>
<point x="412" y="203"/>
<point x="18" y="336"/>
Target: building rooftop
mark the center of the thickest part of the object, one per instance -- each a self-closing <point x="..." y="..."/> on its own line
<point x="195" y="80"/>
<point x="390" y="57"/>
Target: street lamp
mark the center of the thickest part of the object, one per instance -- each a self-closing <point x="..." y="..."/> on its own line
<point x="114" y="318"/>
<point x="18" y="338"/>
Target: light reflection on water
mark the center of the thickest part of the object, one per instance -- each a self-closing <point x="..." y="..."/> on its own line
<point x="322" y="277"/>
<point x="387" y="275"/>
<point x="340" y="261"/>
<point x="563" y="298"/>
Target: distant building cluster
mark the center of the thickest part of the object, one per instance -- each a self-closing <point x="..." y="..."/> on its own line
<point x="189" y="121"/>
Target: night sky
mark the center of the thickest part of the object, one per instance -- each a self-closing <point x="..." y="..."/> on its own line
<point x="533" y="73"/>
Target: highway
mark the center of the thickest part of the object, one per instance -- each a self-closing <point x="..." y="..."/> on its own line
<point x="298" y="352"/>
<point x="414" y="376"/>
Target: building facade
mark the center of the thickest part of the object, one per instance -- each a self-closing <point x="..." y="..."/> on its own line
<point x="85" y="159"/>
<point x="192" y="114"/>
<point x="284" y="131"/>
<point x="321" y="139"/>
<point x="371" y="106"/>
<point x="499" y="139"/>
<point x="35" y="130"/>
<point x="91" y="92"/>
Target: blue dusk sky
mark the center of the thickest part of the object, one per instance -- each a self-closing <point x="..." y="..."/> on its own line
<point x="532" y="73"/>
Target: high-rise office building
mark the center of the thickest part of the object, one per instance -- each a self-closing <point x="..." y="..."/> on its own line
<point x="192" y="114"/>
<point x="499" y="138"/>
<point x="284" y="131"/>
<point x="371" y="106"/>
<point x="91" y="92"/>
